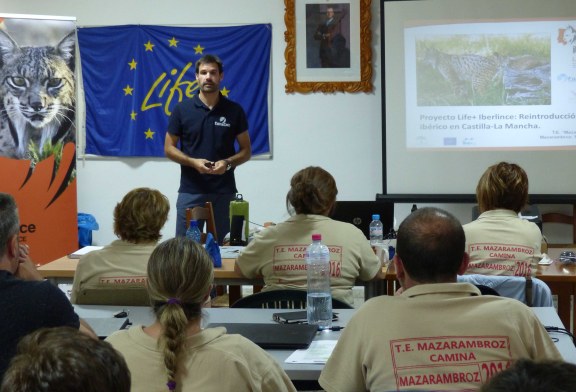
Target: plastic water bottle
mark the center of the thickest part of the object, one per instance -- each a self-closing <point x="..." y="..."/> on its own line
<point x="319" y="306"/>
<point x="376" y="232"/>
<point x="193" y="231"/>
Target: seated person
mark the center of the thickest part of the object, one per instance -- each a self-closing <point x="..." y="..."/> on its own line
<point x="27" y="301"/>
<point x="437" y="334"/>
<point x="278" y="252"/>
<point x="138" y="219"/>
<point x="499" y="242"/>
<point x="176" y="352"/>
<point x="534" y="376"/>
<point x="65" y="360"/>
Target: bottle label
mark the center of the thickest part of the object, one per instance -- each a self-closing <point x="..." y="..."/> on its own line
<point x="376" y="231"/>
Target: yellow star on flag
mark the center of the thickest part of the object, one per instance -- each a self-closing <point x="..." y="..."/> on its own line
<point x="132" y="64"/>
<point x="198" y="49"/>
<point x="173" y="42"/>
<point x="225" y="92"/>
<point x="133" y="115"/>
<point x="128" y="90"/>
<point x="149" y="134"/>
<point x="148" y="45"/>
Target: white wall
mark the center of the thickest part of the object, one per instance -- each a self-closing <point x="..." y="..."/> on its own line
<point x="340" y="132"/>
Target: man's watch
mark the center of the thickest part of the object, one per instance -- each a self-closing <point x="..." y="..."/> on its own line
<point x="228" y="164"/>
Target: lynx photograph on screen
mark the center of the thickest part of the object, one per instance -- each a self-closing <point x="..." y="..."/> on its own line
<point x="477" y="82"/>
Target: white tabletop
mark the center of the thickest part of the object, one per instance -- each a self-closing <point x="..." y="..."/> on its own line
<point x="549" y="318"/>
<point x="143" y="315"/>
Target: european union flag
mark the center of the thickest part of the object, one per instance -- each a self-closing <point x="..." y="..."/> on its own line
<point x="135" y="75"/>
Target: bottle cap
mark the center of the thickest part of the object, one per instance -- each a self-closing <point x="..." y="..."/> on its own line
<point x="376" y="217"/>
<point x="194" y="222"/>
<point x="316" y="237"/>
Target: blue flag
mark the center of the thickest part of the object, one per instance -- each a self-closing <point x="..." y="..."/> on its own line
<point x="134" y="76"/>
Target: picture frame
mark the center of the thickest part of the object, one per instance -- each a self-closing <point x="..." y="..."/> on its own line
<point x="328" y="46"/>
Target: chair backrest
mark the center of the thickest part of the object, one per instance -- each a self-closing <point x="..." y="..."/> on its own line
<point x="531" y="291"/>
<point x="281" y="299"/>
<point x="107" y="295"/>
<point x="556" y="217"/>
<point x="203" y="214"/>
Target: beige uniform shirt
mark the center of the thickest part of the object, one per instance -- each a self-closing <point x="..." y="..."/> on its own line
<point x="278" y="253"/>
<point x="214" y="361"/>
<point x="442" y="336"/>
<point x="120" y="263"/>
<point x="501" y="243"/>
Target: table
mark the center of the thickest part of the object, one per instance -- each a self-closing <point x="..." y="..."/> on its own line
<point x="298" y="372"/>
<point x="561" y="278"/>
<point x="62" y="271"/>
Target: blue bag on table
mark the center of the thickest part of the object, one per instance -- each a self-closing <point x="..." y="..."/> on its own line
<point x="86" y="223"/>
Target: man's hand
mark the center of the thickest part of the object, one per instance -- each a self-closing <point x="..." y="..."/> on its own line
<point x="26" y="269"/>
<point x="23" y="253"/>
<point x="202" y="166"/>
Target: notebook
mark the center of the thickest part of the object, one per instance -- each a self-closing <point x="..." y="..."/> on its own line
<point x="359" y="213"/>
<point x="273" y="336"/>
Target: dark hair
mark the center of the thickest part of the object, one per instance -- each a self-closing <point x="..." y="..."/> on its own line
<point x="431" y="244"/>
<point x="180" y="274"/>
<point x="210" y="59"/>
<point x="312" y="191"/>
<point x="66" y="360"/>
<point x="140" y="216"/>
<point x="9" y="221"/>
<point x="504" y="185"/>
<point x="534" y="376"/>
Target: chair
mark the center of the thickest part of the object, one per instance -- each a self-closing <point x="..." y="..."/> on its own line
<point x="123" y="296"/>
<point x="531" y="291"/>
<point x="281" y="299"/>
<point x="556" y="217"/>
<point x="203" y="214"/>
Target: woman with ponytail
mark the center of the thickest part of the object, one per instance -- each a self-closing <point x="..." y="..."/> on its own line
<point x="175" y="353"/>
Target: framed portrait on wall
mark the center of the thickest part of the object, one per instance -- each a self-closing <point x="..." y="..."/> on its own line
<point x="328" y="46"/>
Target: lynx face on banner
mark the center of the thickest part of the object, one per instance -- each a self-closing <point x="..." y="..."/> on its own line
<point x="37" y="92"/>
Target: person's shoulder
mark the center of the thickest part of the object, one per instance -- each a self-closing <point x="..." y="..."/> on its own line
<point x="118" y="337"/>
<point x="185" y="104"/>
<point x="130" y="338"/>
<point x="228" y="104"/>
<point x="503" y="306"/>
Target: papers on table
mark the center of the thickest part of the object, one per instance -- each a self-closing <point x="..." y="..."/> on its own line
<point x="230" y="252"/>
<point x="318" y="352"/>
<point x="546" y="260"/>
<point x="83" y="251"/>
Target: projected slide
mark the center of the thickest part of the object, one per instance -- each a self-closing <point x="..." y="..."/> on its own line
<point x="491" y="85"/>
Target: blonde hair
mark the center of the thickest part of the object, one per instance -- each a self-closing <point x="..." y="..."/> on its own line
<point x="312" y="191"/>
<point x="504" y="185"/>
<point x="180" y="274"/>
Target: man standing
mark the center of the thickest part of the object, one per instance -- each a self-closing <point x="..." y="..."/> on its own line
<point x="206" y="127"/>
<point x="27" y="302"/>
<point x="437" y="334"/>
<point x="325" y="33"/>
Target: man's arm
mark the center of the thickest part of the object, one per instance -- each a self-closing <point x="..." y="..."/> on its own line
<point x="243" y="154"/>
<point x="87" y="329"/>
<point x="173" y="153"/>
